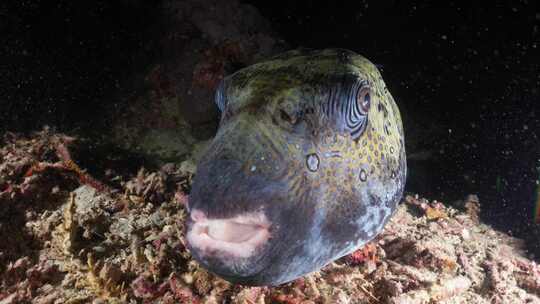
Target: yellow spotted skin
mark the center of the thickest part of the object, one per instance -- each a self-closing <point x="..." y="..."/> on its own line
<point x="314" y="139"/>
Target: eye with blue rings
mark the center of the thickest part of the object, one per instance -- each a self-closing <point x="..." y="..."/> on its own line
<point x="363" y="100"/>
<point x="357" y="109"/>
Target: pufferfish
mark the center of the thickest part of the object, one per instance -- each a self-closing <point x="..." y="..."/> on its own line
<point x="307" y="166"/>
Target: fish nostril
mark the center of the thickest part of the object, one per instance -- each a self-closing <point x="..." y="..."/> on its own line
<point x="287" y="117"/>
<point x="312" y="162"/>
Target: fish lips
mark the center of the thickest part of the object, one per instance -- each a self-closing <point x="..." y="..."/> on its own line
<point x="222" y="258"/>
<point x="254" y="208"/>
<point x="255" y="268"/>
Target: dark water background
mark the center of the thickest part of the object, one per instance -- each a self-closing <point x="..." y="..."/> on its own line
<point x="466" y="79"/>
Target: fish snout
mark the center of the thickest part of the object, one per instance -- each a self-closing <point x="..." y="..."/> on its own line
<point x="235" y="219"/>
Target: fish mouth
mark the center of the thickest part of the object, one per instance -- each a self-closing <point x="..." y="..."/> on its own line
<point x="236" y="237"/>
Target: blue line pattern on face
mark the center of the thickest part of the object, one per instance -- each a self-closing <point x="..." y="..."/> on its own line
<point x="220" y="98"/>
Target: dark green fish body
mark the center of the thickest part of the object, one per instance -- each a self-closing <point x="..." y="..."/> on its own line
<point x="308" y="165"/>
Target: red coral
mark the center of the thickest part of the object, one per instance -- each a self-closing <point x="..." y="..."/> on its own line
<point x="181" y="198"/>
<point x="182" y="293"/>
<point x="209" y="72"/>
<point x="25" y="279"/>
<point x="287" y="299"/>
<point x="253" y="294"/>
<point x="142" y="288"/>
<point x="41" y="273"/>
<point x="366" y="253"/>
<point x="66" y="163"/>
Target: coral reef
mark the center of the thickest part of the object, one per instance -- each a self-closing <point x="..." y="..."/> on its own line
<point x="68" y="237"/>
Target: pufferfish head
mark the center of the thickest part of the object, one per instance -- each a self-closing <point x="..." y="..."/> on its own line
<point x="307" y="166"/>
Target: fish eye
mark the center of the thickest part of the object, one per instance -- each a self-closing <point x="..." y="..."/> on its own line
<point x="364" y="100"/>
<point x="357" y="108"/>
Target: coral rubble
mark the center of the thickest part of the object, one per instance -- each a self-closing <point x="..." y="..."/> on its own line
<point x="69" y="237"/>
